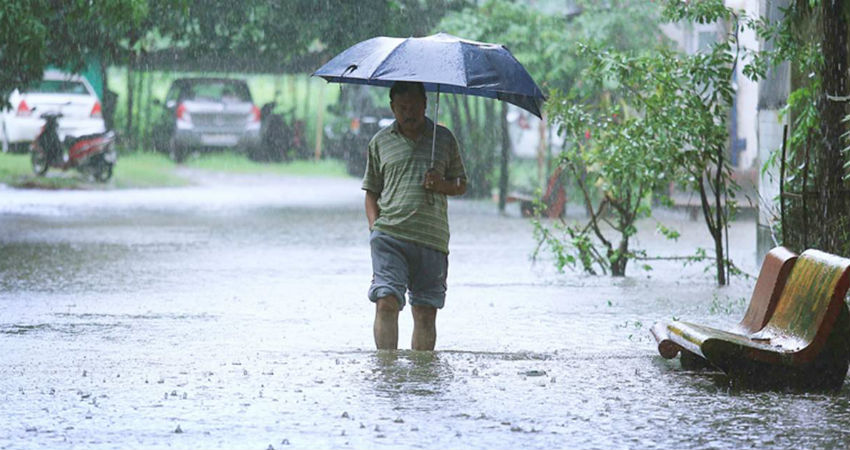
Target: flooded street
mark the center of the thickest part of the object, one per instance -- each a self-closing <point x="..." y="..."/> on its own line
<point x="233" y="314"/>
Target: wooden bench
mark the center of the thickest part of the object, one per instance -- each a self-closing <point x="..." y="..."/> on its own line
<point x="769" y="284"/>
<point x="554" y="200"/>
<point x="803" y="343"/>
<point x="526" y="203"/>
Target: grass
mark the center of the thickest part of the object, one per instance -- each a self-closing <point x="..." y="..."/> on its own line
<point x="15" y="170"/>
<point x="148" y="170"/>
<point x="233" y="163"/>
<point x="12" y="165"/>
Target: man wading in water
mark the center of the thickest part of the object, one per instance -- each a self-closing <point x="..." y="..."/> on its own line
<point x="407" y="211"/>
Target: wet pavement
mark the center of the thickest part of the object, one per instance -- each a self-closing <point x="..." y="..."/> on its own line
<point x="233" y="315"/>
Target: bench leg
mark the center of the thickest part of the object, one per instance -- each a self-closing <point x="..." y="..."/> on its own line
<point x="526" y="208"/>
<point x="691" y="361"/>
<point x="827" y="372"/>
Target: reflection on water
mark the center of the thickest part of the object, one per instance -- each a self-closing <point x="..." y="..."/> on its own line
<point x="239" y="317"/>
<point x="64" y="328"/>
<point x="406" y="374"/>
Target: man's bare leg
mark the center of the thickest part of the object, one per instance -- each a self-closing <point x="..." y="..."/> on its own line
<point x="424" y="327"/>
<point x="386" y="323"/>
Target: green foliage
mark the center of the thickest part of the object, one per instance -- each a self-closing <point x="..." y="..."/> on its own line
<point x="22" y="37"/>
<point x="641" y="121"/>
<point x="37" y="33"/>
<point x="789" y="40"/>
<point x="702" y="11"/>
<point x="292" y="34"/>
<point x="546" y="44"/>
<point x="669" y="233"/>
<point x="619" y="156"/>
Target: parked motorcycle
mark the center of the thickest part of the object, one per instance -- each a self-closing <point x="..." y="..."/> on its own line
<point x="92" y="154"/>
<point x="280" y="139"/>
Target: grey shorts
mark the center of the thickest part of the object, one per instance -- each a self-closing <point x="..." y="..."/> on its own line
<point x="400" y="266"/>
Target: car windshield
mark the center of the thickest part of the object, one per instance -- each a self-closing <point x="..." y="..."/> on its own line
<point x="59" y="87"/>
<point x="217" y="91"/>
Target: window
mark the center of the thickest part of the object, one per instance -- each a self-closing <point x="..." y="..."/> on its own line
<point x="59" y="87"/>
<point x="218" y="91"/>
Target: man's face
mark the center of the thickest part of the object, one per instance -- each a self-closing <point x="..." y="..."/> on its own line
<point x="409" y="111"/>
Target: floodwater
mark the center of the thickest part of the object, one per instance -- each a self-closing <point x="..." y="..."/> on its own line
<point x="233" y="314"/>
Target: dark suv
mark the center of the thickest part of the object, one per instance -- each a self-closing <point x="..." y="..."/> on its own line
<point x="207" y="112"/>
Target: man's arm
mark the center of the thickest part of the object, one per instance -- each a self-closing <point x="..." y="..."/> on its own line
<point x="452" y="186"/>
<point x="372" y="210"/>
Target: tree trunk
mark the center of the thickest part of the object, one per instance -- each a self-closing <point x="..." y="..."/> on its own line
<point x="720" y="218"/>
<point x="137" y="112"/>
<point x="108" y="99"/>
<point x="831" y="200"/>
<point x="131" y="68"/>
<point x="457" y="123"/>
<point x="469" y="120"/>
<point x="308" y="98"/>
<point x="618" y="264"/>
<point x="506" y="155"/>
<point x="146" y="125"/>
<point x="714" y="224"/>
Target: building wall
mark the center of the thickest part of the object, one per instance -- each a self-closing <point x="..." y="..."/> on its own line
<point x="692" y="38"/>
<point x="748" y="91"/>
<point x="773" y="95"/>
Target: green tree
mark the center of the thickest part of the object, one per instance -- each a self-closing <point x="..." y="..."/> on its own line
<point x="619" y="156"/>
<point x="64" y="33"/>
<point x="546" y="45"/>
<point x="662" y="118"/>
<point x="23" y="35"/>
<point x="294" y="34"/>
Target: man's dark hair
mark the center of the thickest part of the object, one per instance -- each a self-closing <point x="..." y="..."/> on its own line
<point x="404" y="87"/>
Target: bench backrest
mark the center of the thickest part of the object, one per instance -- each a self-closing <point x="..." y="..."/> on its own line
<point x="769" y="285"/>
<point x="812" y="298"/>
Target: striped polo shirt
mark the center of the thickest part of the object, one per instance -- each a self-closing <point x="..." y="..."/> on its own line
<point x="395" y="170"/>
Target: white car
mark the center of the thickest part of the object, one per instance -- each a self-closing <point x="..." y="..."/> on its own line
<point x="70" y="95"/>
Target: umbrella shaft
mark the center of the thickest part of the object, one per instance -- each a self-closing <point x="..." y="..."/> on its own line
<point x="434" y="136"/>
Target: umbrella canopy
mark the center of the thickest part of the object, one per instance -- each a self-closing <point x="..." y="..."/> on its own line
<point x="443" y="63"/>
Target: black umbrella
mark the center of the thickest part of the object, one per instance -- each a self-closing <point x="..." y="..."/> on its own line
<point x="443" y="63"/>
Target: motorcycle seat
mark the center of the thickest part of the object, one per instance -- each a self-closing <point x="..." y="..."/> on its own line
<point x="70" y="141"/>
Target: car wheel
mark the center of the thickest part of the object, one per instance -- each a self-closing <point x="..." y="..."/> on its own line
<point x="38" y="158"/>
<point x="102" y="171"/>
<point x="176" y="152"/>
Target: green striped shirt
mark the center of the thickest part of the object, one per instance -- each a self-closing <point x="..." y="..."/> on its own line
<point x="395" y="170"/>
